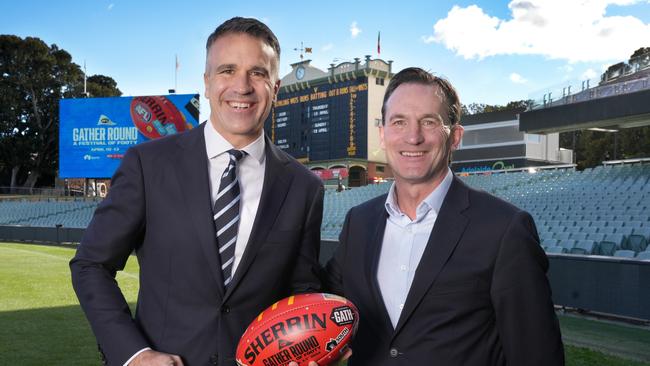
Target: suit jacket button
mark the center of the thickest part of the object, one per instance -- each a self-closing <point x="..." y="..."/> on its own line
<point x="225" y="309"/>
<point x="214" y="359"/>
<point x="393" y="352"/>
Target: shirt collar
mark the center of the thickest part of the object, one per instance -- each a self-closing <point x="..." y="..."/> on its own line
<point x="216" y="144"/>
<point x="431" y="202"/>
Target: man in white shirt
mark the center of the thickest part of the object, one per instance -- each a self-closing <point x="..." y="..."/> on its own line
<point x="442" y="274"/>
<point x="203" y="279"/>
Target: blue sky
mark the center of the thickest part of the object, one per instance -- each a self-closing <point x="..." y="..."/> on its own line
<point x="492" y="51"/>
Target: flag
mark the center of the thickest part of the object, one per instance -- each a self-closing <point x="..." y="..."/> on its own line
<point x="307" y="49"/>
<point x="378" y="44"/>
<point x="178" y="66"/>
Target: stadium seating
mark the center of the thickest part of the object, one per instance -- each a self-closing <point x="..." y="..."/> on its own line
<point x="47" y="213"/>
<point x="624" y="253"/>
<point x="556" y="250"/>
<point x="567" y="243"/>
<point x="585" y="246"/>
<point x="598" y="211"/>
<point x="607" y="248"/>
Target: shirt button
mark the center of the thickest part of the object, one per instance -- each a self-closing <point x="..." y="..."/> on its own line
<point x="403" y="267"/>
<point x="401" y="306"/>
<point x="393" y="352"/>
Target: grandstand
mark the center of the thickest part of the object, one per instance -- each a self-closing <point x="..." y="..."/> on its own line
<point x="599" y="211"/>
<point x="337" y="204"/>
<point x="47" y="213"/>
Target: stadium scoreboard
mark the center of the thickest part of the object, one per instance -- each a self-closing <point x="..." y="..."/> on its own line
<point x="324" y="122"/>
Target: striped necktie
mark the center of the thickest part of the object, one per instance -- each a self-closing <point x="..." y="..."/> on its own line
<point x="226" y="215"/>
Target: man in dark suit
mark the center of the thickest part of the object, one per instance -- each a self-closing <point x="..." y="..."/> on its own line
<point x="442" y="274"/>
<point x="195" y="299"/>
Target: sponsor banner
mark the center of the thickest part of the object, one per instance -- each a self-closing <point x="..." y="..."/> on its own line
<point x="94" y="133"/>
<point x="335" y="173"/>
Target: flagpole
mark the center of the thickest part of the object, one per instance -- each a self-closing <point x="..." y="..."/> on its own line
<point x="176" y="73"/>
<point x="378" y="43"/>
<point x="85" y="78"/>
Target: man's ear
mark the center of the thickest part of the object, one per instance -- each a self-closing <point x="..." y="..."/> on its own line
<point x="457" y="132"/>
<point x="276" y="90"/>
<point x="206" y="84"/>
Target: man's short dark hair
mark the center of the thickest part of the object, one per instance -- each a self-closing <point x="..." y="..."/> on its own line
<point x="416" y="75"/>
<point x="250" y="26"/>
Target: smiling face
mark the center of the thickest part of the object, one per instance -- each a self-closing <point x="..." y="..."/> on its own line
<point x="241" y="83"/>
<point x="418" y="141"/>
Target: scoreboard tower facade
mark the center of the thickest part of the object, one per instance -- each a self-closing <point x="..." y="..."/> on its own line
<point x="329" y="120"/>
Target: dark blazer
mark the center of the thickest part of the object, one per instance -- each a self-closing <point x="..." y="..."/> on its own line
<point x="480" y="295"/>
<point x="160" y="206"/>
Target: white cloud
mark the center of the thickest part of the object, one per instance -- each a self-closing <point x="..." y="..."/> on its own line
<point x="573" y="30"/>
<point x="517" y="79"/>
<point x="566" y="68"/>
<point x="589" y="74"/>
<point x="428" y="39"/>
<point x="327" y="47"/>
<point x="110" y="6"/>
<point x="354" y="30"/>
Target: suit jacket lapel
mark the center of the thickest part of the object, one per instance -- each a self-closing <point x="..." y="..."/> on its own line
<point x="444" y="237"/>
<point x="373" y="248"/>
<point x="192" y="173"/>
<point x="276" y="186"/>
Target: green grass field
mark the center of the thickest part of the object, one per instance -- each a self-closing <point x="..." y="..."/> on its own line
<point x="41" y="322"/>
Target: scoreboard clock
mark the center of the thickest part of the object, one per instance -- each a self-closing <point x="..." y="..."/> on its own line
<point x="300" y="72"/>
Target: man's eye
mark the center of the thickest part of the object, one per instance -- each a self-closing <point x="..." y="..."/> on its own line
<point x="430" y="123"/>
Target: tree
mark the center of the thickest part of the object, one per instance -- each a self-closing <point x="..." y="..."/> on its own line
<point x="591" y="148"/>
<point x="102" y="86"/>
<point x="476" y="108"/>
<point x="472" y="108"/>
<point x="33" y="79"/>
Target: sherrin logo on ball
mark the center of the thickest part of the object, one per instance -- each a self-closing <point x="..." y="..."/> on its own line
<point x="157" y="116"/>
<point x="301" y="328"/>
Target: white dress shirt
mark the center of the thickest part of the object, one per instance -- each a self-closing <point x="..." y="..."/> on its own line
<point x="403" y="245"/>
<point x="250" y="173"/>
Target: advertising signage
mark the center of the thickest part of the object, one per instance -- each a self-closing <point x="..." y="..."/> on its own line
<point x="94" y="133"/>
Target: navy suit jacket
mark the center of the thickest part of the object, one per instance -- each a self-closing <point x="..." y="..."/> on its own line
<point x="159" y="205"/>
<point x="480" y="295"/>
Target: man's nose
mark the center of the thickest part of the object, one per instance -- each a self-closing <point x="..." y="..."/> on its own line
<point x="242" y="83"/>
<point x="414" y="134"/>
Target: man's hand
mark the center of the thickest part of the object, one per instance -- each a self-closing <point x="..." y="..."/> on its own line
<point x="153" y="358"/>
<point x="343" y="361"/>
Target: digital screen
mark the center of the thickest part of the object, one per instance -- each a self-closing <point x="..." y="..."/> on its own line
<point x="322" y="123"/>
<point x="94" y="133"/>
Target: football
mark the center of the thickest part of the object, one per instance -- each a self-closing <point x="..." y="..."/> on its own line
<point x="157" y="116"/>
<point x="301" y="328"/>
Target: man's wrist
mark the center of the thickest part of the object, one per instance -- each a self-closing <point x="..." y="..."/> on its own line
<point x="136" y="355"/>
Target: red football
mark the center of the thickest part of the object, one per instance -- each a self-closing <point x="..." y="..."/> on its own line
<point x="156" y="116"/>
<point x="301" y="328"/>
